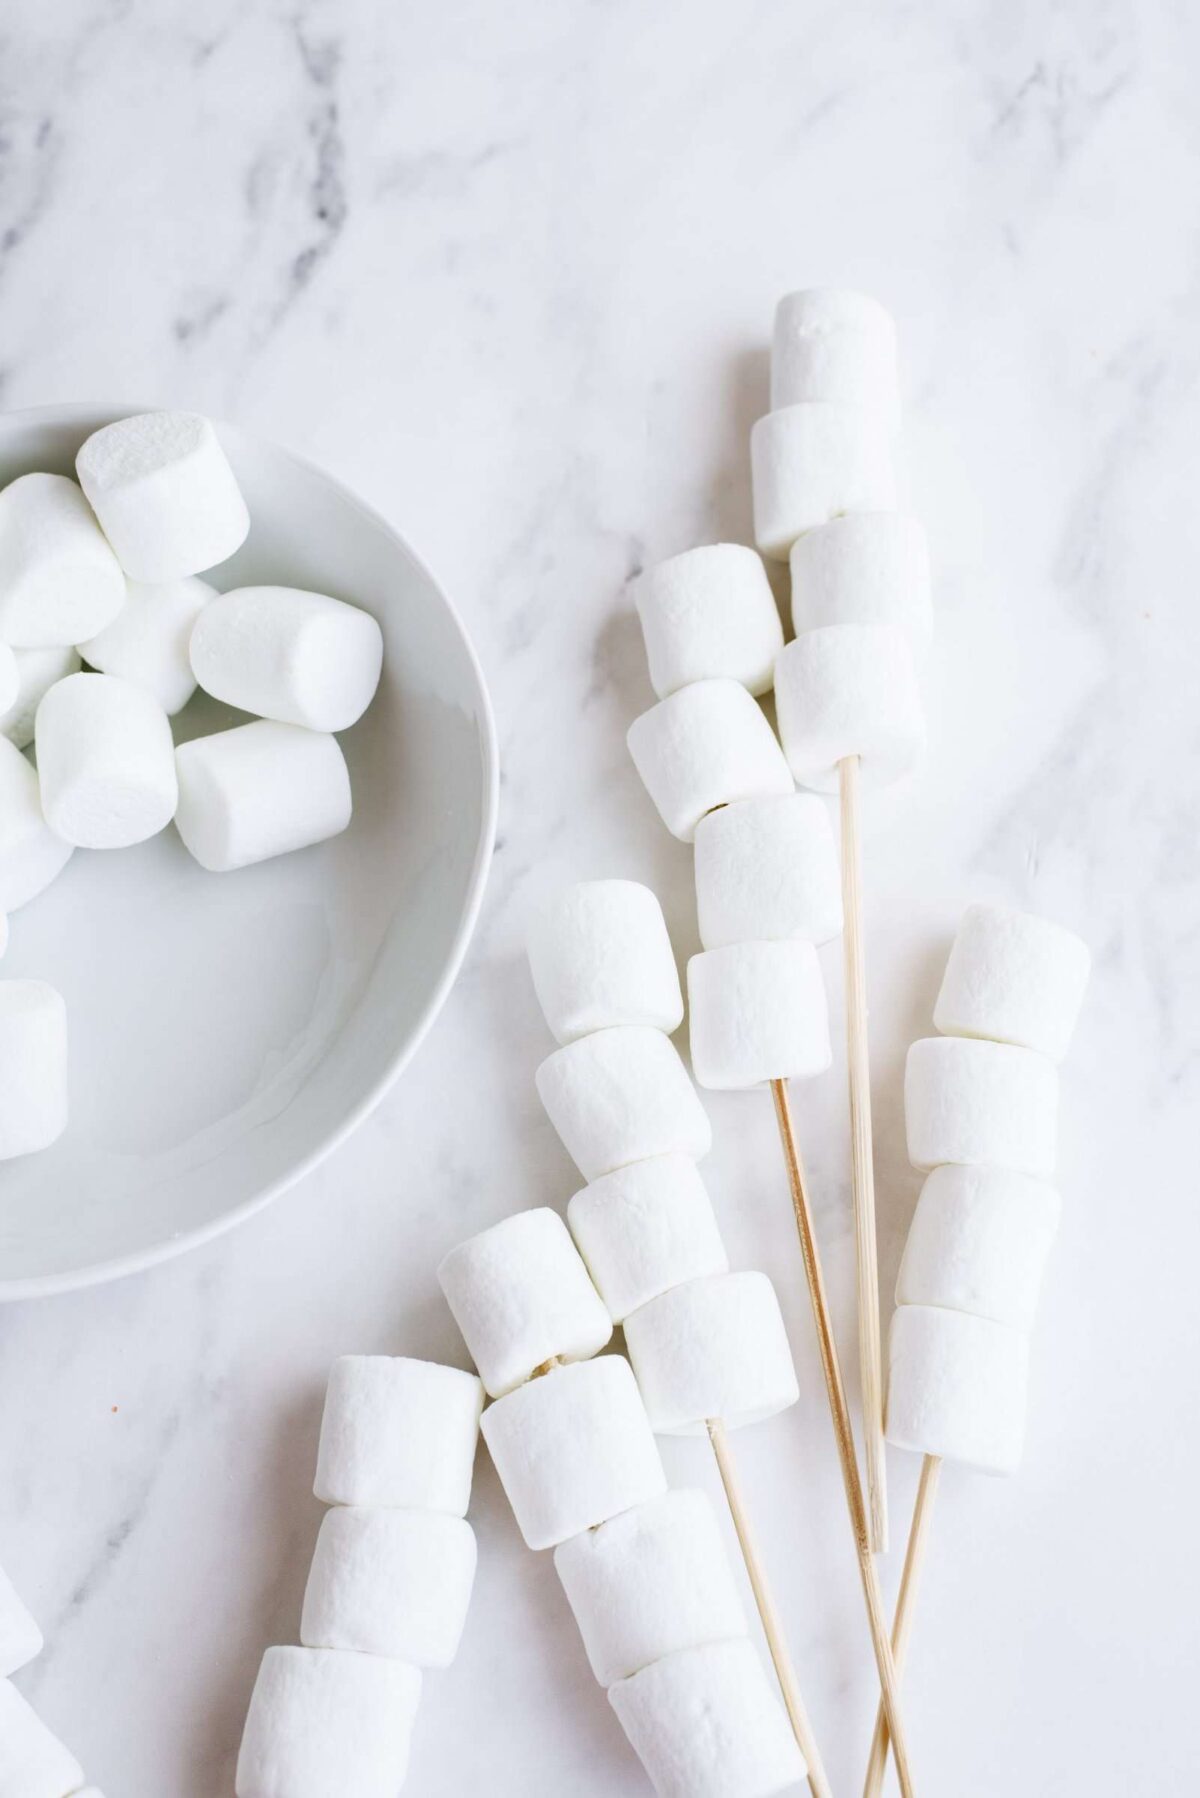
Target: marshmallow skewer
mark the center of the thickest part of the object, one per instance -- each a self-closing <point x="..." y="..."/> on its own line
<point x="902" y="1622"/>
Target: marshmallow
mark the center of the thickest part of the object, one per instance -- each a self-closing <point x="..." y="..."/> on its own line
<point x="106" y="762"/>
<point x="758" y="1013"/>
<point x="398" y="1432"/>
<point x="767" y="869"/>
<point x="20" y="1637"/>
<point x="650" y="1582"/>
<point x="59" y="580"/>
<point x="37" y="671"/>
<point x="521" y="1297"/>
<point x="33" y="1067"/>
<point x="621" y="1096"/>
<point x="31" y="856"/>
<point x="713" y="1348"/>
<point x="980" y="1103"/>
<point x="573" y="1448"/>
<point x="262" y="789"/>
<point x="147" y="642"/>
<point x="33" y="1762"/>
<point x="165" y="495"/>
<point x="849" y="689"/>
<point x="10" y="679"/>
<point x="810" y="463"/>
<point x="978" y="1242"/>
<point x="300" y="658"/>
<point x="706" y="1724"/>
<point x="323" y="1722"/>
<point x="866" y="568"/>
<point x="600" y="955"/>
<point x="957" y="1387"/>
<point x="832" y="344"/>
<point x="645" y="1228"/>
<point x="705" y="746"/>
<point x="1014" y="978"/>
<point x="395" y="1583"/>
<point x="709" y="614"/>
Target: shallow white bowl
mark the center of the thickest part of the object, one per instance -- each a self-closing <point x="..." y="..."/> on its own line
<point x="228" y="1029"/>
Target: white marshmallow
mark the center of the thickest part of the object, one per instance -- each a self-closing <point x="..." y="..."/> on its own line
<point x="767" y="869"/>
<point x="165" y="495"/>
<point x="31" y="856"/>
<point x="648" y="1583"/>
<point x="398" y="1432"/>
<point x="832" y="344"/>
<point x="522" y="1296"/>
<point x="705" y="1723"/>
<point x="978" y="1242"/>
<point x="33" y="1067"/>
<point x="758" y="1013"/>
<point x="957" y="1387"/>
<point x="708" y="614"/>
<point x="396" y="1583"/>
<point x="849" y="689"/>
<point x="323" y="1722"/>
<point x="260" y="790"/>
<point x="106" y="762"/>
<point x="10" y="679"/>
<point x="59" y="580"/>
<point x="33" y="1762"/>
<point x="706" y="745"/>
<point x="1014" y="978"/>
<point x="573" y="1448"/>
<point x="713" y="1348"/>
<point x="37" y="671"/>
<point x="865" y="568"/>
<point x="600" y="956"/>
<point x="300" y="658"/>
<point x="621" y="1096"/>
<point x="645" y="1228"/>
<point x="20" y="1637"/>
<point x="980" y="1103"/>
<point x="147" y="642"/>
<point x="810" y="463"/>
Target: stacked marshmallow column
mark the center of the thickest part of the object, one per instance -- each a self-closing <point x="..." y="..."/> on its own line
<point x="388" y="1589"/>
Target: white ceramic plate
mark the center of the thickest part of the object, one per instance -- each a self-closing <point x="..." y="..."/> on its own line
<point x="228" y="1029"/>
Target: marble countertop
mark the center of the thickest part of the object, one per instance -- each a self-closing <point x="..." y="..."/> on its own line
<point x="510" y="272"/>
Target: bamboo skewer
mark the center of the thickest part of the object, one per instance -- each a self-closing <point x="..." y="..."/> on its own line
<point x="914" y="1557"/>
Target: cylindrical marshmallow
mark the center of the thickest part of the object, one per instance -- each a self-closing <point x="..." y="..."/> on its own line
<point x="31" y="855"/>
<point x="59" y="580"/>
<point x="165" y="495"/>
<point x="833" y="344"/>
<point x="37" y="671"/>
<point x="33" y="1762"/>
<point x="709" y="614"/>
<point x="865" y="568"/>
<point x="849" y="689"/>
<point x="705" y="1723"/>
<point x="600" y="956"/>
<point x="810" y="463"/>
<point x="1014" y="978"/>
<point x="33" y="1067"/>
<point x="147" y="642"/>
<point x="621" y="1096"/>
<point x="979" y="1241"/>
<point x="573" y="1448"/>
<point x="705" y="746"/>
<point x="522" y="1296"/>
<point x="767" y="869"/>
<point x="650" y="1582"/>
<point x="957" y="1387"/>
<point x="298" y="657"/>
<point x="106" y="762"/>
<point x="20" y="1637"/>
<point x="980" y="1104"/>
<point x="260" y="790"/>
<point x="398" y="1432"/>
<point x="395" y="1583"/>
<point x="713" y="1348"/>
<point x="758" y="1012"/>
<point x="322" y="1721"/>
<point x="645" y="1228"/>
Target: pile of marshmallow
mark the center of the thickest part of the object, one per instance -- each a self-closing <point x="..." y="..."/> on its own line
<point x="104" y="573"/>
<point x="33" y="1762"/>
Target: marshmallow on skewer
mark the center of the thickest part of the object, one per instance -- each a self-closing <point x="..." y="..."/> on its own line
<point x="37" y="671"/>
<point x="758" y="1013"/>
<point x="389" y="1582"/>
<point x="1013" y="978"/>
<point x="619" y="1096"/>
<point x="813" y="461"/>
<point x="703" y="747"/>
<point x="59" y="579"/>
<point x="147" y="642"/>
<point x="165" y="495"/>
<point x="980" y="1104"/>
<point x="707" y="614"/>
<point x="31" y="855"/>
<point x="957" y="1387"/>
<point x="600" y="956"/>
<point x="106" y="762"/>
<point x="260" y="790"/>
<point x="33" y="1067"/>
<point x="297" y="657"/>
<point x="33" y="1762"/>
<point x="398" y="1432"/>
<point x="715" y="1348"/>
<point x="322" y="1721"/>
<point x="978" y="1242"/>
<point x="864" y="568"/>
<point x="20" y="1637"/>
<point x="830" y="343"/>
<point x="645" y="1228"/>
<point x="849" y="689"/>
<point x="767" y="869"/>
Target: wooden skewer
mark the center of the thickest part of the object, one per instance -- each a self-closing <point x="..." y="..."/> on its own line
<point x="844" y="1434"/>
<point x="914" y="1556"/>
<point x="862" y="1161"/>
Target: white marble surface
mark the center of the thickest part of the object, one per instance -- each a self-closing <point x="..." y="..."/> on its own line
<point x="510" y="271"/>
